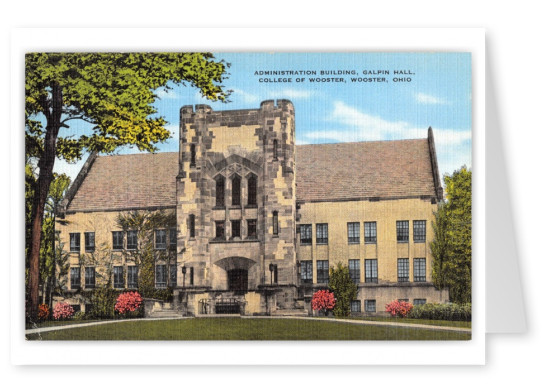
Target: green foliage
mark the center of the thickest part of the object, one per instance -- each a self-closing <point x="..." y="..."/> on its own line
<point x="448" y="311"/>
<point x="343" y="288"/>
<point x="451" y="247"/>
<point x="103" y="301"/>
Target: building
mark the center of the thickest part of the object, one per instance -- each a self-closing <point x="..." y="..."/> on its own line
<point x="258" y="221"/>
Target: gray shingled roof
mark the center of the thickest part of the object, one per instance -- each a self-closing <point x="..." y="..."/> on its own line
<point x="386" y="169"/>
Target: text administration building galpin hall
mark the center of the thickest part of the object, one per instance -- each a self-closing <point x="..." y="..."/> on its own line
<point x="260" y="220"/>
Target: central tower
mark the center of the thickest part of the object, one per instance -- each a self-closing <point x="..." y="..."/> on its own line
<point x="236" y="208"/>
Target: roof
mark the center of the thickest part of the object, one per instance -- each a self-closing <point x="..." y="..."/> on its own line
<point x="344" y="171"/>
<point x="324" y="172"/>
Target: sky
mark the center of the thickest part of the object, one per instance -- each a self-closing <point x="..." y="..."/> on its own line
<point x="420" y="90"/>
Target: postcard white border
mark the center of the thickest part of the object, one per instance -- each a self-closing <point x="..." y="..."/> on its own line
<point x="24" y="352"/>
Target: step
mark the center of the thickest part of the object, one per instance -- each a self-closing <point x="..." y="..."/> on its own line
<point x="290" y="312"/>
<point x="165" y="314"/>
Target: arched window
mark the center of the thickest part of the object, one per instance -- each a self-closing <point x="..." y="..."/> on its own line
<point x="251" y="190"/>
<point x="220" y="191"/>
<point x="236" y="191"/>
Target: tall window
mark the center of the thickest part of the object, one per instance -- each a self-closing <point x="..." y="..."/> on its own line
<point x="132" y="272"/>
<point x="90" y="277"/>
<point x="132" y="240"/>
<point x="236" y="191"/>
<point x="74" y="242"/>
<point x="251" y="190"/>
<point x="160" y="239"/>
<point x="160" y="276"/>
<point x="275" y="223"/>
<point x="402" y="231"/>
<point x="191" y="226"/>
<point x="306" y="272"/>
<point x="236" y="229"/>
<point x="118" y="239"/>
<point x="220" y="230"/>
<point x="220" y="191"/>
<point x="193" y="153"/>
<point x="355" y="306"/>
<point x="371" y="272"/>
<point x="419" y="269"/>
<point x="403" y="269"/>
<point x="419" y="231"/>
<point x="75" y="277"/>
<point x="370" y="232"/>
<point x="353" y="233"/>
<point x="305" y="234"/>
<point x="354" y="269"/>
<point x="118" y="277"/>
<point x="275" y="150"/>
<point x="173" y="276"/>
<point x="274" y="274"/>
<point x="191" y="276"/>
<point x="89" y="241"/>
<point x="370" y="305"/>
<point x="323" y="272"/>
<point x="322" y="234"/>
<point x="251" y="229"/>
<point x="173" y="238"/>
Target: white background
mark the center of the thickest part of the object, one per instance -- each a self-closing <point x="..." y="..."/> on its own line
<point x="517" y="40"/>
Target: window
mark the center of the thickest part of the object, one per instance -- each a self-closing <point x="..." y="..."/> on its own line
<point x="403" y="300"/>
<point x="354" y="269"/>
<point x="323" y="272"/>
<point x="403" y="269"/>
<point x="275" y="149"/>
<point x="305" y="234"/>
<point x="236" y="229"/>
<point x="402" y="231"/>
<point x="76" y="308"/>
<point x="173" y="276"/>
<point x="306" y="272"/>
<point x="160" y="239"/>
<point x="419" y="301"/>
<point x="191" y="226"/>
<point x="419" y="231"/>
<point x="160" y="276"/>
<point x="370" y="232"/>
<point x="193" y="155"/>
<point x="370" y="305"/>
<point x="353" y="233"/>
<point x="274" y="275"/>
<point x="220" y="230"/>
<point x="251" y="229"/>
<point x="321" y="233"/>
<point x="118" y="238"/>
<point x="173" y="238"/>
<point x="355" y="306"/>
<point x="191" y="276"/>
<point x="251" y="190"/>
<point x="132" y="272"/>
<point x="90" y="277"/>
<point x="75" y="277"/>
<point x="236" y="191"/>
<point x="275" y="223"/>
<point x="89" y="241"/>
<point x="132" y="240"/>
<point x="74" y="242"/>
<point x="419" y="270"/>
<point x="371" y="272"/>
<point x="118" y="277"/>
<point x="220" y="191"/>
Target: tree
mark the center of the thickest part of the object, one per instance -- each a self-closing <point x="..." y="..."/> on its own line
<point x="112" y="91"/>
<point x="343" y="287"/>
<point x="323" y="300"/>
<point x="451" y="247"/>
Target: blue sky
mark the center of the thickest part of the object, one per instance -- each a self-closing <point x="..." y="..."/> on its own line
<point x="438" y="94"/>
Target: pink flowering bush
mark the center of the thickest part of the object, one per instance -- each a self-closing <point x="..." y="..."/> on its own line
<point x="128" y="302"/>
<point x="323" y="301"/>
<point x="63" y="311"/>
<point x="399" y="308"/>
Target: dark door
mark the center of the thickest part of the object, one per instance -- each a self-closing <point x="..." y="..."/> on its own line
<point x="238" y="280"/>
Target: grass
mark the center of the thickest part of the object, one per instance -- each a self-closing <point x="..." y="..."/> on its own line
<point x="244" y="329"/>
<point x="448" y="323"/>
<point x="52" y="323"/>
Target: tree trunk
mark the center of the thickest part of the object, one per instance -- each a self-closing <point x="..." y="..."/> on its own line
<point x="46" y="166"/>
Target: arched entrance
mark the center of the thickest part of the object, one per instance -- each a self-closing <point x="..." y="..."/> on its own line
<point x="238" y="280"/>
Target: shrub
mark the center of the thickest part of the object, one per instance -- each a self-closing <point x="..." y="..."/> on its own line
<point x="323" y="300"/>
<point x="343" y="287"/>
<point x="159" y="294"/>
<point x="43" y="312"/>
<point x="63" y="311"/>
<point x="128" y="302"/>
<point x="399" y="308"/>
<point x="103" y="303"/>
<point x="79" y="315"/>
<point x="447" y="311"/>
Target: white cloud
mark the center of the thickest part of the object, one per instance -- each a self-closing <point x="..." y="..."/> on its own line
<point x="166" y="94"/>
<point x="246" y="96"/>
<point x="297" y="94"/>
<point x="429" y="99"/>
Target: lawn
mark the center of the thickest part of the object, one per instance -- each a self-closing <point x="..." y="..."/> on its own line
<point x="245" y="329"/>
